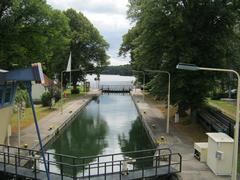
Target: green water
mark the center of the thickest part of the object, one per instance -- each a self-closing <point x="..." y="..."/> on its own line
<point x="108" y="124"/>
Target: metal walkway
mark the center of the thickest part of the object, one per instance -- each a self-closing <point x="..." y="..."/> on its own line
<point x="26" y="163"/>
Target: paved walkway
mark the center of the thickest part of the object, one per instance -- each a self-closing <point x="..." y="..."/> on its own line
<point x="56" y="120"/>
<point x="155" y="122"/>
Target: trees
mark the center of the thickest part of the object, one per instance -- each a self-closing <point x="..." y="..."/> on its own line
<point x="31" y="31"/>
<point x="122" y="70"/>
<point x="169" y="32"/>
<point x="87" y="46"/>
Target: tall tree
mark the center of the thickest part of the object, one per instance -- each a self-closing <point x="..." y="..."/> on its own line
<point x="30" y="31"/>
<point x="169" y="32"/>
<point x="88" y="47"/>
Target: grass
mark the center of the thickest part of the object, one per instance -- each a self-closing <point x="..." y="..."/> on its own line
<point x="28" y="117"/>
<point x="41" y="111"/>
<point x="227" y="108"/>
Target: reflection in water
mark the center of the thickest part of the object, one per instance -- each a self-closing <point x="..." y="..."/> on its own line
<point x="138" y="140"/>
<point x="106" y="125"/>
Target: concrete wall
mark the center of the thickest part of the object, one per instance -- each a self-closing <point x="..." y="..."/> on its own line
<point x="6" y="114"/>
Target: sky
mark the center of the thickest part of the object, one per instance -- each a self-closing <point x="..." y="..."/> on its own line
<point x="108" y="16"/>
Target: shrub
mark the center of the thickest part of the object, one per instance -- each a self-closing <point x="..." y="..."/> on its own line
<point x="218" y="96"/>
<point x="75" y="91"/>
<point x="22" y="95"/>
<point x="46" y="99"/>
<point x="56" y="93"/>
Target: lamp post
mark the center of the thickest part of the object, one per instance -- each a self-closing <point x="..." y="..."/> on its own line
<point x="143" y="80"/>
<point x="169" y="94"/>
<point x="192" y="67"/>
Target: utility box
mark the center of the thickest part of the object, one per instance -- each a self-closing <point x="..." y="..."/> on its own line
<point x="220" y="153"/>
<point x="200" y="151"/>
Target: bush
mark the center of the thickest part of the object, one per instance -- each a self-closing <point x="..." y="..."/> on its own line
<point x="75" y="91"/>
<point x="56" y="93"/>
<point x="218" y="96"/>
<point x="46" y="99"/>
<point x="22" y="95"/>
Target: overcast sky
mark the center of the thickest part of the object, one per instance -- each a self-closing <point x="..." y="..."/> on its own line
<point x="108" y="16"/>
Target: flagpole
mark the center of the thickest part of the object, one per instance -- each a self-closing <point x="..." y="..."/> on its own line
<point x="70" y="68"/>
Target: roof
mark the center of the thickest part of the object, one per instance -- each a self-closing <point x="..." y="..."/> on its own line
<point x="47" y="81"/>
<point x="220" y="137"/>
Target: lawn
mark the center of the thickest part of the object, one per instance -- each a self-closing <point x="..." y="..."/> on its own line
<point x="227" y="108"/>
<point x="41" y="111"/>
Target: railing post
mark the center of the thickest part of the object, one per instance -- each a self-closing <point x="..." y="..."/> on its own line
<point x="105" y="170"/>
<point x="48" y="162"/>
<point x="120" y="170"/>
<point x="61" y="167"/>
<point x="98" y="165"/>
<point x="18" y="150"/>
<point x="112" y="163"/>
<point x="142" y="172"/>
<point x="74" y="169"/>
<point x="4" y="161"/>
<point x="83" y="166"/>
<point x="35" y="168"/>
<point x="8" y="154"/>
<point x="156" y="164"/>
<point x="89" y="171"/>
<point x="180" y="162"/>
<point x="169" y="163"/>
<point x="16" y="164"/>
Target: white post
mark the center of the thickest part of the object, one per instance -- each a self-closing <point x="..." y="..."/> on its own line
<point x="169" y="94"/>
<point x="236" y="133"/>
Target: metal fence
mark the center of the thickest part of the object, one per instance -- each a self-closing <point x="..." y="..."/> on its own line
<point x="134" y="164"/>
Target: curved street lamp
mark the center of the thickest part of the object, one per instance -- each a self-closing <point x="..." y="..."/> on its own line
<point x="193" y="67"/>
<point x="142" y="72"/>
<point x="169" y="93"/>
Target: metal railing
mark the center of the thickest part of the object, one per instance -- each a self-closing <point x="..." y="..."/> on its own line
<point x="116" y="88"/>
<point x="144" y="163"/>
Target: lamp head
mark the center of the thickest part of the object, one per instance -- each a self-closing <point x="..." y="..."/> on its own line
<point x="189" y="67"/>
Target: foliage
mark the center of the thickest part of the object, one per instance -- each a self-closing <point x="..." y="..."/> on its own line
<point x="122" y="70"/>
<point x="32" y="31"/>
<point x="75" y="91"/>
<point x="22" y="95"/>
<point x="46" y="99"/>
<point x="205" y="33"/>
<point x="55" y="93"/>
<point x="87" y="46"/>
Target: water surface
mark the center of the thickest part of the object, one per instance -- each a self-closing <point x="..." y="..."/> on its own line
<point x="108" y="124"/>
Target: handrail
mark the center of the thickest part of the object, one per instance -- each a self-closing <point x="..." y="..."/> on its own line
<point x="106" y="166"/>
<point x="88" y="157"/>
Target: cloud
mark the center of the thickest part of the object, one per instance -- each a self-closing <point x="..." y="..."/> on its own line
<point x="95" y="6"/>
<point x="108" y="16"/>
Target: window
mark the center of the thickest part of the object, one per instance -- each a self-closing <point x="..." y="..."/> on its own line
<point x="8" y="94"/>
